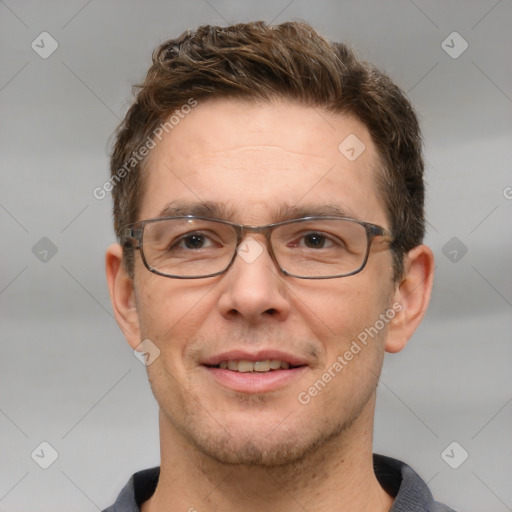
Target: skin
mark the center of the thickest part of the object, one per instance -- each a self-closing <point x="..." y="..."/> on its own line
<point x="226" y="450"/>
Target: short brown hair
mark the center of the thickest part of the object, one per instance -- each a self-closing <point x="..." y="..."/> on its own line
<point x="256" y="61"/>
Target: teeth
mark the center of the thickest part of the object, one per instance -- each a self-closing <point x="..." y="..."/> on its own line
<point x="256" y="366"/>
<point x="262" y="366"/>
<point x="245" y="366"/>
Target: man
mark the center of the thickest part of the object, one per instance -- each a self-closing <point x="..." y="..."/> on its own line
<point x="268" y="202"/>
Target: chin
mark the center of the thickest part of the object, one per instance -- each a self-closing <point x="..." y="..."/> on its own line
<point x="286" y="447"/>
<point x="252" y="453"/>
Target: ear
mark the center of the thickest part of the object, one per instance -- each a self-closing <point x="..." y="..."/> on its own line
<point x="122" y="295"/>
<point x="412" y="293"/>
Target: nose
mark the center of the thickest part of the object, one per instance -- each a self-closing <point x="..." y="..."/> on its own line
<point x="253" y="287"/>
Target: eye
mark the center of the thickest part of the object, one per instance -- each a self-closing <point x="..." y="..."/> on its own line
<point x="192" y="241"/>
<point x="315" y="240"/>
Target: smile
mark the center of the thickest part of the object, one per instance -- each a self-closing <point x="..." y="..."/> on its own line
<point x="263" y="371"/>
<point x="244" y="366"/>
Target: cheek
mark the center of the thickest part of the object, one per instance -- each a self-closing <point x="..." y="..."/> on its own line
<point x="343" y="320"/>
<point x="171" y="312"/>
<point x="337" y="311"/>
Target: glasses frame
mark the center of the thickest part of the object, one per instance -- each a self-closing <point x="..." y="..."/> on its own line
<point x="135" y="232"/>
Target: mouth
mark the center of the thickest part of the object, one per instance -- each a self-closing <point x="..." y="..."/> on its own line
<point x="245" y="366"/>
<point x="262" y="372"/>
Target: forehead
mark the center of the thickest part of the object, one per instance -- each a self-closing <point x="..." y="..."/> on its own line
<point x="260" y="158"/>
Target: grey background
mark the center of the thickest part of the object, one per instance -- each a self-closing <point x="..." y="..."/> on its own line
<point x="67" y="376"/>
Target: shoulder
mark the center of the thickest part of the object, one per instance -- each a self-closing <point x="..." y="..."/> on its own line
<point x="139" y="488"/>
<point x="411" y="493"/>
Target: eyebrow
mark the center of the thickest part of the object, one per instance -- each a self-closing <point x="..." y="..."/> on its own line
<point x="223" y="211"/>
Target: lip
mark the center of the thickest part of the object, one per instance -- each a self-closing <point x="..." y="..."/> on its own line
<point x="261" y="355"/>
<point x="254" y="382"/>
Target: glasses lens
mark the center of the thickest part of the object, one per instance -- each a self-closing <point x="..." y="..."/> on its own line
<point x="188" y="247"/>
<point x="320" y="248"/>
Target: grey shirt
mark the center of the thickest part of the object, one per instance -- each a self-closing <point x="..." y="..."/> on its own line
<point x="397" y="478"/>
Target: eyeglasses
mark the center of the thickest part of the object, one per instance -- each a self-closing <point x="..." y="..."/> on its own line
<point x="191" y="247"/>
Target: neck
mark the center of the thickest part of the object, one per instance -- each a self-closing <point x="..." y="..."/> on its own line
<point x="336" y="476"/>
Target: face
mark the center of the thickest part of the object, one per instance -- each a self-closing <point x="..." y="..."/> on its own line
<point x="255" y="161"/>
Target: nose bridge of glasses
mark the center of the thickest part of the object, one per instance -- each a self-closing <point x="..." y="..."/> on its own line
<point x="256" y="245"/>
<point x="243" y="231"/>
